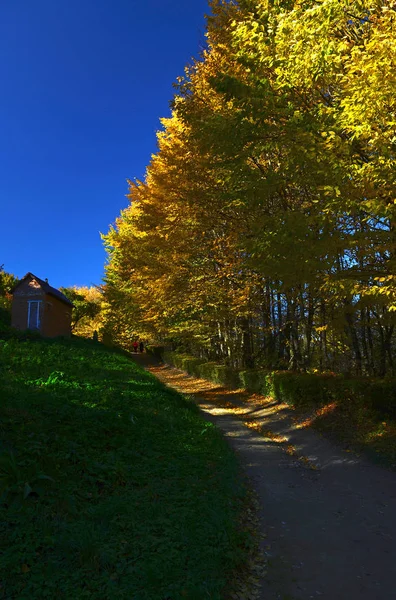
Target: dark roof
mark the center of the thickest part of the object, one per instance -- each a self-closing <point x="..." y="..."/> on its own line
<point x="47" y="288"/>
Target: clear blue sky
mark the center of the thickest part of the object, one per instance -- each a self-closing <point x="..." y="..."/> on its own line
<point x="83" y="85"/>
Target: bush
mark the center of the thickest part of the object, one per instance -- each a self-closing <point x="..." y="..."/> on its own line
<point x="5" y="317"/>
<point x="253" y="380"/>
<point x="382" y="396"/>
<point x="156" y="351"/>
<point x="192" y="365"/>
<point x="10" y="333"/>
<point x="176" y="360"/>
<point x="302" y="390"/>
<point x="220" y="374"/>
<point x="200" y="367"/>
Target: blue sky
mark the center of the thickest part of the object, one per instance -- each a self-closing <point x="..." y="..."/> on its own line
<point x="84" y="83"/>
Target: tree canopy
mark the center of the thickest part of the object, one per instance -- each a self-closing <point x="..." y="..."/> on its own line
<point x="7" y="283"/>
<point x="87" y="307"/>
<point x="263" y="233"/>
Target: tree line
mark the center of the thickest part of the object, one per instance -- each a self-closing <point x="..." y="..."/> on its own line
<point x="7" y="282"/>
<point x="263" y="234"/>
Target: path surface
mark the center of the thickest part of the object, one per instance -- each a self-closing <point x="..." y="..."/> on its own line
<point x="329" y="520"/>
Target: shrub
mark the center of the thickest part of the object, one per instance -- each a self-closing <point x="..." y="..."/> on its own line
<point x="382" y="396"/>
<point x="192" y="365"/>
<point x="176" y="360"/>
<point x="217" y="373"/>
<point x="5" y="318"/>
<point x="297" y="389"/>
<point x="200" y="367"/>
<point x="253" y="380"/>
<point x="156" y="351"/>
<point x="303" y="389"/>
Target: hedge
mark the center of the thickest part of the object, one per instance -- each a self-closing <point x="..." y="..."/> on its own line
<point x="296" y="389"/>
<point x="199" y="367"/>
<point x="156" y="351"/>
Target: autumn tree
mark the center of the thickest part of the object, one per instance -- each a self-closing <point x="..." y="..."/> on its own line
<point x="87" y="307"/>
<point x="263" y="233"/>
<point x="7" y="283"/>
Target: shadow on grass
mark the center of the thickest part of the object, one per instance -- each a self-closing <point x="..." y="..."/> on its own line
<point x="114" y="487"/>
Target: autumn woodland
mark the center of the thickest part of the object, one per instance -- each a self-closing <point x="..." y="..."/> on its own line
<point x="259" y="252"/>
<point x="263" y="234"/>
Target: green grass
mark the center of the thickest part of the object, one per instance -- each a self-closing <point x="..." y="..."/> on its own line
<point x="111" y="485"/>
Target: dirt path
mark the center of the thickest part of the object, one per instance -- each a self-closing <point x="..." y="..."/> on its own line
<point x="329" y="518"/>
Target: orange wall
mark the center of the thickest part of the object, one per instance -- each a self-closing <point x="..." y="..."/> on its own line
<point x="19" y="309"/>
<point x="56" y="318"/>
<point x="55" y="315"/>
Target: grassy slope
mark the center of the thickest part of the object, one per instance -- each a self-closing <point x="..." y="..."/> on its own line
<point x="142" y="496"/>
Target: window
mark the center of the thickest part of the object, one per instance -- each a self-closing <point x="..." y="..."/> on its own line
<point x="34" y="314"/>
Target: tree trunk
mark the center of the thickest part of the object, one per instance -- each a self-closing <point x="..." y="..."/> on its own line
<point x="354" y="339"/>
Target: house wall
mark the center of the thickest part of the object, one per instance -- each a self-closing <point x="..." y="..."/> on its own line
<point x="28" y="290"/>
<point x="57" y="317"/>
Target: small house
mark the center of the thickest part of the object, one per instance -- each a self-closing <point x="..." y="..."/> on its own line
<point x="37" y="306"/>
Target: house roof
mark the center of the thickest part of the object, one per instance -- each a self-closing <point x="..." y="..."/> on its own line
<point x="46" y="287"/>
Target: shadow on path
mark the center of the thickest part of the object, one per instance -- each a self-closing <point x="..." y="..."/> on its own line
<point x="329" y="521"/>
